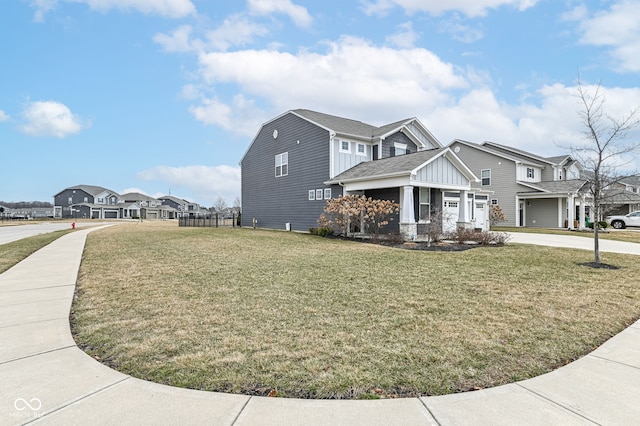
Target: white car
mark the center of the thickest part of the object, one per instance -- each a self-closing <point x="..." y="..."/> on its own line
<point x="621" y="222"/>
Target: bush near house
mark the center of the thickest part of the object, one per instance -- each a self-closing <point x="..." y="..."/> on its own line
<point x="345" y="214"/>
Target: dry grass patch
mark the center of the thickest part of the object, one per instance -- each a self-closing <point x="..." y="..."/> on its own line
<point x="238" y="310"/>
<point x="15" y="251"/>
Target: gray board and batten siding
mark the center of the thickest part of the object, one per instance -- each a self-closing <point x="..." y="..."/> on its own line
<point x="274" y="200"/>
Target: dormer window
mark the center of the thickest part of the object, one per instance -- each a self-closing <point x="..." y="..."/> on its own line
<point x="345" y="146"/>
<point x="361" y="149"/>
<point x="400" y="148"/>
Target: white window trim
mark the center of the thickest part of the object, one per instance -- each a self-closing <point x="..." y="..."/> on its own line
<point x="279" y="162"/>
<point x="318" y="194"/>
<point x="327" y="193"/>
<point x="364" y="152"/>
<point x="345" y="151"/>
<point x="400" y="147"/>
<point x="494" y="202"/>
<point x="312" y="195"/>
<point x="482" y="177"/>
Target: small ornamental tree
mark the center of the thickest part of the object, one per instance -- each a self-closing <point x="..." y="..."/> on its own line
<point x="341" y="213"/>
<point x="496" y="215"/>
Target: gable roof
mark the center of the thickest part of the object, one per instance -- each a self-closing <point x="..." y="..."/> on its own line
<point x="512" y="156"/>
<point x="136" y="196"/>
<point x="390" y="166"/>
<point x="89" y="189"/>
<point x="516" y="151"/>
<point x="557" y="186"/>
<point x="344" y="126"/>
<point x="173" y="198"/>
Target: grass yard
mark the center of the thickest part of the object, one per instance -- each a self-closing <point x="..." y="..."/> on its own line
<point x="13" y="252"/>
<point x="259" y="312"/>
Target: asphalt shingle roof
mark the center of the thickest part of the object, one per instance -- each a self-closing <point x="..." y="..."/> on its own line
<point x="347" y="126"/>
<point x="388" y="166"/>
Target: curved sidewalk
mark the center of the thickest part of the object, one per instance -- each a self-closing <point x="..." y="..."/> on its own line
<point x="45" y="378"/>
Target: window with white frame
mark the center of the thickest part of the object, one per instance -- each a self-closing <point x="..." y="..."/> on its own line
<point x="361" y="149"/>
<point x="327" y="193"/>
<point x="70" y="200"/>
<point x="318" y="194"/>
<point x="400" y="148"/>
<point x="345" y="146"/>
<point x="282" y="164"/>
<point x="425" y="204"/>
<point x="494" y="201"/>
<point x="530" y="173"/>
<point x="312" y="194"/>
<point x="486" y="177"/>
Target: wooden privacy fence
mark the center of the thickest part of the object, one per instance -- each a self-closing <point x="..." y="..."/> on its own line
<point x="213" y="221"/>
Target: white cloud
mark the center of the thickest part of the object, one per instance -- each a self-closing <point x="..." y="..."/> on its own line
<point x="205" y="182"/>
<point x="179" y="40"/>
<point x="4" y="116"/>
<point x="353" y="77"/>
<point x="619" y="29"/>
<point x="460" y="31"/>
<point x="436" y="7"/>
<point x="298" y="14"/>
<point x="51" y="119"/>
<point x="236" y="30"/>
<point x="166" y="8"/>
<point x="42" y="7"/>
<point x="405" y="37"/>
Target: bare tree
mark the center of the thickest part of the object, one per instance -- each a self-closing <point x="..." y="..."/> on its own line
<point x="220" y="204"/>
<point x="604" y="153"/>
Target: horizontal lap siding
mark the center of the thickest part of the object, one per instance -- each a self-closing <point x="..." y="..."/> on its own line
<point x="503" y="174"/>
<point x="275" y="201"/>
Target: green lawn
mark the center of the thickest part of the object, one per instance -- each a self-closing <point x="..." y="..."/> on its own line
<point x="251" y="311"/>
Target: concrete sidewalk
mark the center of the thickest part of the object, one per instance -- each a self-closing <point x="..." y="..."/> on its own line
<point x="45" y="378"/>
<point x="575" y="241"/>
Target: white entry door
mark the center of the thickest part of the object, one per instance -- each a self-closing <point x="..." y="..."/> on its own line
<point x="450" y="215"/>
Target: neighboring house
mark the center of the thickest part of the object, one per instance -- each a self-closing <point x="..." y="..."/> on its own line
<point x="90" y="202"/>
<point x="183" y="208"/>
<point x="625" y="197"/>
<point x="302" y="158"/>
<point x="531" y="190"/>
<point x="150" y="208"/>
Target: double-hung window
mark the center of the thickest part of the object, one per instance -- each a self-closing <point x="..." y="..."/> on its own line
<point x="282" y="164"/>
<point x="486" y="177"/>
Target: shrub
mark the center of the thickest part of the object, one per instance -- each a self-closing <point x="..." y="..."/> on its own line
<point x="602" y="224"/>
<point x="485" y="238"/>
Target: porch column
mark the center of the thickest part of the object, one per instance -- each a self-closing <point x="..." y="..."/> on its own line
<point x="408" y="225"/>
<point x="571" y="208"/>
<point x="581" y="219"/>
<point x="407" y="214"/>
<point x="462" y="210"/>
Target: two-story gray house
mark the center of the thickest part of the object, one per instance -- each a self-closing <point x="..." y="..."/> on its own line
<point x="87" y="201"/>
<point x="302" y="158"/>
<point x="532" y="191"/>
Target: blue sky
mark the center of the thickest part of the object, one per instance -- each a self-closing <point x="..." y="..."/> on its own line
<point x="165" y="96"/>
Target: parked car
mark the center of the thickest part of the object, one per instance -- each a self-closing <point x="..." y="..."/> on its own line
<point x="621" y="222"/>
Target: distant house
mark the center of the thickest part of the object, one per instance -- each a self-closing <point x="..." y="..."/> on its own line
<point x="184" y="208"/>
<point x="150" y="208"/>
<point x="90" y="202"/>
<point x="532" y="191"/>
<point x="302" y="158"/>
